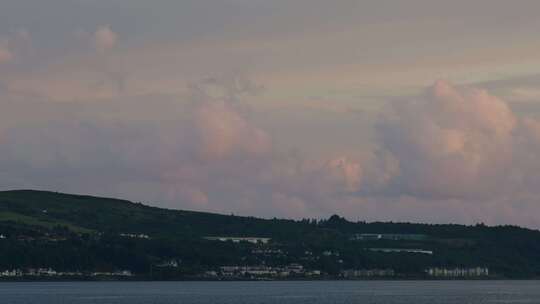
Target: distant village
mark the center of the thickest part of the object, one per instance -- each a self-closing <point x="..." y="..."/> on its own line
<point x="292" y="271"/>
<point x="265" y="272"/>
<point x="48" y="272"/>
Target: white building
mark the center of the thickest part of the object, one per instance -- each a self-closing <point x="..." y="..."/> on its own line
<point x="401" y="250"/>
<point x="458" y="272"/>
<point x="253" y="240"/>
<point x="169" y="264"/>
<point x="135" y="236"/>
<point x="388" y="236"/>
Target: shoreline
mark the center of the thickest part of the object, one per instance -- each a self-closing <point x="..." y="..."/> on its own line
<point x="25" y="280"/>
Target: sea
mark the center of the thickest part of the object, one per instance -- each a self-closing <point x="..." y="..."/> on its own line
<point x="296" y="292"/>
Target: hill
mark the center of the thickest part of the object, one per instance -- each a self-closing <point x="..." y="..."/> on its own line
<point x="92" y="237"/>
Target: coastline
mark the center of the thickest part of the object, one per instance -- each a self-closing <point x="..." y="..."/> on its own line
<point x="322" y="279"/>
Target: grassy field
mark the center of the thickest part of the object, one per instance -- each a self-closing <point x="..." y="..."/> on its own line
<point x="17" y="218"/>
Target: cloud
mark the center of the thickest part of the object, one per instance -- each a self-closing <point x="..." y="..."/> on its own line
<point x="229" y="163"/>
<point x="311" y="178"/>
<point x="452" y="143"/>
<point x="222" y="133"/>
<point x="5" y="54"/>
<point x="15" y="45"/>
<point x="461" y="143"/>
<point x="211" y="157"/>
<point x="105" y="39"/>
<point x="457" y="151"/>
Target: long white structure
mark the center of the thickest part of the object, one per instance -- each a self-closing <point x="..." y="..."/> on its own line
<point x="253" y="240"/>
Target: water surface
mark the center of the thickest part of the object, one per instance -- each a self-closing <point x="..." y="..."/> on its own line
<point x="319" y="292"/>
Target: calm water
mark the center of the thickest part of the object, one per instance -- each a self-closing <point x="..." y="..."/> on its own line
<point x="383" y="292"/>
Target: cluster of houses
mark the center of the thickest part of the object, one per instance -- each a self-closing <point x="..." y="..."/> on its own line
<point x="458" y="272"/>
<point x="268" y="252"/>
<point x="291" y="270"/>
<point x="25" y="238"/>
<point x="135" y="236"/>
<point x="367" y="273"/>
<point x="48" y="272"/>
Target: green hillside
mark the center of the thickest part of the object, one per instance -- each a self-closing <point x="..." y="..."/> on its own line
<point x="104" y="214"/>
<point x="85" y="234"/>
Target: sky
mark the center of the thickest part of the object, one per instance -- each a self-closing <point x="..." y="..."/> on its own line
<point x="419" y="110"/>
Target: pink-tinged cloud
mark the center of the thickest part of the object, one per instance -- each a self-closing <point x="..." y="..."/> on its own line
<point x="6" y="54"/>
<point x="324" y="177"/>
<point x="344" y="172"/>
<point x="454" y="153"/>
<point x="454" y="142"/>
<point x="222" y="133"/>
<point x="105" y="39"/>
<point x="222" y="160"/>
